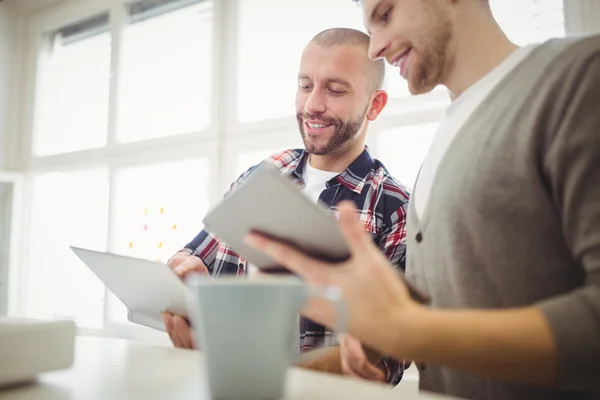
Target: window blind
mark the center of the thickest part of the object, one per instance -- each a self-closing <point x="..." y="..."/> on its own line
<point x="145" y="9"/>
<point x="82" y="30"/>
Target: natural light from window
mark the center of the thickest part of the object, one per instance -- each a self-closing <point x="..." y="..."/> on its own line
<point x="72" y="112"/>
<point x="158" y="210"/>
<point x="167" y="74"/>
<point x="403" y="149"/>
<point x="69" y="209"/>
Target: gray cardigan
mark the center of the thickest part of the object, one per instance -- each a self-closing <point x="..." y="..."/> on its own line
<point x="513" y="218"/>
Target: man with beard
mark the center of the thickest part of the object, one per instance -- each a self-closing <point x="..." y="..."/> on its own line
<point x="504" y="222"/>
<point x="339" y="93"/>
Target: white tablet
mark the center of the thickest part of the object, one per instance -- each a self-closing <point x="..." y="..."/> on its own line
<point x="271" y="203"/>
<point x="147" y="288"/>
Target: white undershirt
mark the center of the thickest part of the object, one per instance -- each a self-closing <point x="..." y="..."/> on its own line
<point x="454" y="118"/>
<point x="315" y="180"/>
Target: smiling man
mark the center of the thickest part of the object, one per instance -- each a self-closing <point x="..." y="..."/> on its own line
<point x="338" y="95"/>
<point x="503" y="228"/>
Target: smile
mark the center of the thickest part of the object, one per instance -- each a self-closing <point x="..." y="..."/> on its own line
<point x="316" y="125"/>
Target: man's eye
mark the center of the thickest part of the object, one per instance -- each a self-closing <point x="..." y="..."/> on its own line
<point x="386" y="15"/>
<point x="304" y="87"/>
<point x="336" y="92"/>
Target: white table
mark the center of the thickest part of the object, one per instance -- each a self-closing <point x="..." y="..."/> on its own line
<point x="115" y="369"/>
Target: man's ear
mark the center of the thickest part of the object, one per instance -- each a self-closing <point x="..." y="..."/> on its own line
<point x="378" y="102"/>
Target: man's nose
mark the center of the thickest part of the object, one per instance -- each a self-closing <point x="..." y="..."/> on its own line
<point x="377" y="47"/>
<point x="315" y="104"/>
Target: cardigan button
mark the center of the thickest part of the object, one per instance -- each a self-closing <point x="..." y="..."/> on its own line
<point x="419" y="237"/>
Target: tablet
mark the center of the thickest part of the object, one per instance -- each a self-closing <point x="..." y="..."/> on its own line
<point x="147" y="288"/>
<point x="272" y="204"/>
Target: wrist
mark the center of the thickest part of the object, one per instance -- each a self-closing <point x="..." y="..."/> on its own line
<point x="409" y="335"/>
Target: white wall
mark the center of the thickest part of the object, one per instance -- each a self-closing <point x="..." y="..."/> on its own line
<point x="7" y="52"/>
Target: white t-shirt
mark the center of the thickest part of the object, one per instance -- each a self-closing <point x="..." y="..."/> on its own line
<point x="315" y="180"/>
<point x="454" y="117"/>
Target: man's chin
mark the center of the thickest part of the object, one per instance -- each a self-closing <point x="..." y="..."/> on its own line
<point x="420" y="85"/>
<point x="316" y="151"/>
<point x="417" y="89"/>
<point x="315" y="148"/>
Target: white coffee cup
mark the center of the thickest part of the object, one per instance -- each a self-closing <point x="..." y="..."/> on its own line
<point x="245" y="328"/>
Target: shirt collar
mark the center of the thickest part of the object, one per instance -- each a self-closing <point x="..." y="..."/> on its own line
<point x="354" y="177"/>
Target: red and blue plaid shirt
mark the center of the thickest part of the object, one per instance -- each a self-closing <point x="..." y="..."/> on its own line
<point x="382" y="203"/>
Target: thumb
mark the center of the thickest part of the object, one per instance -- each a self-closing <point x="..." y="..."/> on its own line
<point x="351" y="228"/>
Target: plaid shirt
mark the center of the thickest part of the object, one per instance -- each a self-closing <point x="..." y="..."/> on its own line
<point x="382" y="202"/>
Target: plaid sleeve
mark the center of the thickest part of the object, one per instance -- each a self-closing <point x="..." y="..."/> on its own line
<point x="393" y="239"/>
<point x="393" y="369"/>
<point x="393" y="244"/>
<point x="213" y="252"/>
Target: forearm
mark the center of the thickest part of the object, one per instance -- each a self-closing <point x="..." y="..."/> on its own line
<point x="512" y="345"/>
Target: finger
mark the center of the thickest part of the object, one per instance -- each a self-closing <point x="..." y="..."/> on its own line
<point x="183" y="332"/>
<point x="178" y="259"/>
<point x="358" y="361"/>
<point x="358" y="240"/>
<point x="349" y="357"/>
<point x="372" y="373"/>
<point x="298" y="263"/>
<point x="168" y="321"/>
<point x="347" y="370"/>
<point x="191" y="264"/>
<point x="363" y="370"/>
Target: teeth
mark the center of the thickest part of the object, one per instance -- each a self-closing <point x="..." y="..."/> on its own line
<point x="316" y="126"/>
<point x="399" y="62"/>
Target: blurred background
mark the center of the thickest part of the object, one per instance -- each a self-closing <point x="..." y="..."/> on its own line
<point x="122" y="122"/>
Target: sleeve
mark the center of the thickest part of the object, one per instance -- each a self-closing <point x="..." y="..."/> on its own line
<point x="571" y="164"/>
<point x="392" y="241"/>
<point x="393" y="369"/>
<point x="209" y="248"/>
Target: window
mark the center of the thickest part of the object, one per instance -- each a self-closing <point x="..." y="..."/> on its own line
<point x="252" y="158"/>
<point x="403" y="149"/>
<point x="167" y="70"/>
<point x="158" y="209"/>
<point x="74" y="85"/>
<point x="69" y="209"/>
<point x="6" y="227"/>
<point x="530" y="21"/>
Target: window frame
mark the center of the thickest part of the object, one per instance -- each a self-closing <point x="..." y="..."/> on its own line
<point x="10" y="295"/>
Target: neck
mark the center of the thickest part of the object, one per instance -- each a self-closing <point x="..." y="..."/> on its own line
<point x="476" y="55"/>
<point x="338" y="162"/>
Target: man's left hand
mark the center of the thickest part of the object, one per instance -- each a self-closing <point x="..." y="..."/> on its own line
<point x="179" y="331"/>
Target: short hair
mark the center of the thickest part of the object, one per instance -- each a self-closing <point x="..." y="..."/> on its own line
<point x="353" y="37"/>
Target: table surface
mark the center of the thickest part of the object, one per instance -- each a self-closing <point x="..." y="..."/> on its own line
<point x="115" y="369"/>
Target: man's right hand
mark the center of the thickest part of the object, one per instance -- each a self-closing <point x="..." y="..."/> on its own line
<point x="183" y="263"/>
